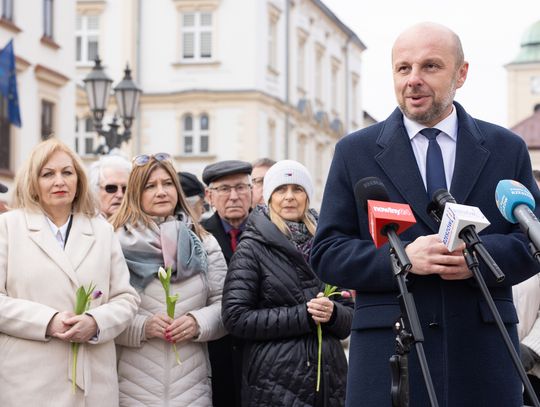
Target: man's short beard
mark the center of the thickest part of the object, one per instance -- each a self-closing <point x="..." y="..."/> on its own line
<point x="435" y="112"/>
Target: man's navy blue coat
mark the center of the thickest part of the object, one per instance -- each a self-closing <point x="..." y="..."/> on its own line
<point x="466" y="355"/>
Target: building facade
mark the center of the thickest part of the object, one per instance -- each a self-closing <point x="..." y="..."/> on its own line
<point x="228" y="79"/>
<point x="524" y="92"/>
<point x="45" y="71"/>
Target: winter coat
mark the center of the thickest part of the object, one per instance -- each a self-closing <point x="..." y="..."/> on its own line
<point x="39" y="279"/>
<point x="264" y="302"/>
<point x="147" y="370"/>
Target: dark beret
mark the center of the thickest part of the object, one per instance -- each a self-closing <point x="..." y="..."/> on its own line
<point x="221" y="169"/>
<point x="190" y="184"/>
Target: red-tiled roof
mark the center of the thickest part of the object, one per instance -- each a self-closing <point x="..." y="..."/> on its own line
<point x="529" y="130"/>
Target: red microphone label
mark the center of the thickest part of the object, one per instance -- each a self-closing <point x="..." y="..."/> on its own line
<point x="382" y="213"/>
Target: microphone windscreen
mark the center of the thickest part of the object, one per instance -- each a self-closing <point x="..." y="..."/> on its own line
<point x="509" y="194"/>
<point x="370" y="189"/>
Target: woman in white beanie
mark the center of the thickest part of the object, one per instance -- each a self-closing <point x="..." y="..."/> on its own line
<point x="273" y="299"/>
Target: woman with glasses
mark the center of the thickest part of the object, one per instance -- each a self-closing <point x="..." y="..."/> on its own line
<point x="52" y="243"/>
<point x="156" y="229"/>
<point x="274" y="301"/>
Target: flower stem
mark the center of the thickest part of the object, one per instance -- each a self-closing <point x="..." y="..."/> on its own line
<point x="319" y="337"/>
<point x="75" y="352"/>
<point x="176" y="354"/>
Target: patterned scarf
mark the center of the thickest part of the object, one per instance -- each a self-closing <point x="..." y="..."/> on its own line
<point x="167" y="242"/>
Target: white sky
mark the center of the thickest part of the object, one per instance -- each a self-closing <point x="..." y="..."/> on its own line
<point x="490" y="32"/>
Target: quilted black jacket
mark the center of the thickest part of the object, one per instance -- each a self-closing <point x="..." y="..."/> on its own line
<point x="264" y="302"/>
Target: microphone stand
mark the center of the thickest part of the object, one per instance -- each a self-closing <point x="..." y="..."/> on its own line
<point x="473" y="265"/>
<point x="407" y="328"/>
<point x="534" y="251"/>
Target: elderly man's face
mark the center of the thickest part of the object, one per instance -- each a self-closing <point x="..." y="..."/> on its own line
<point x="112" y="186"/>
<point x="233" y="205"/>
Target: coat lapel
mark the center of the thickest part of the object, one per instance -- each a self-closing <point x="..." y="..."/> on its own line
<point x="398" y="162"/>
<point x="471" y="157"/>
<point x="80" y="241"/>
<point x="40" y="233"/>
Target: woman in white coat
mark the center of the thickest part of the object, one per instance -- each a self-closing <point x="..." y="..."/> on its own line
<point x="51" y="244"/>
<point x="155" y="228"/>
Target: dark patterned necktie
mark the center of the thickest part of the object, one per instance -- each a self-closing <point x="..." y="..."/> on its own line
<point x="435" y="178"/>
<point x="233" y="234"/>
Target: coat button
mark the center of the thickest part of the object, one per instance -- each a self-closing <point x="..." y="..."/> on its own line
<point x="433" y="325"/>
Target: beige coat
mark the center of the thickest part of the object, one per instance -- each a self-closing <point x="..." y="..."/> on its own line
<point x="39" y="279"/>
<point x="148" y="373"/>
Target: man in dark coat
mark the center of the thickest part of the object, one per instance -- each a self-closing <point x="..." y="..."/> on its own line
<point x="469" y="363"/>
<point x="229" y="192"/>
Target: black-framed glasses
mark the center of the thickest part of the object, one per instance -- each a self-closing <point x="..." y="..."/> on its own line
<point x="224" y="190"/>
<point x="112" y="189"/>
<point x="143" y="159"/>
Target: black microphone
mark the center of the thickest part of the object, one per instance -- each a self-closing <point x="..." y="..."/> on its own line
<point x="468" y="233"/>
<point x="3" y="188"/>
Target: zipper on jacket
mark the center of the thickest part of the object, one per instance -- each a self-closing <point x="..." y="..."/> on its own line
<point x="167" y="349"/>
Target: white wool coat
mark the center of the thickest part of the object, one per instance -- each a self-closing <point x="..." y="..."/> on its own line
<point x="147" y="370"/>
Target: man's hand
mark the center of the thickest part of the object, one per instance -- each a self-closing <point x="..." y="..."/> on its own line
<point x="429" y="256"/>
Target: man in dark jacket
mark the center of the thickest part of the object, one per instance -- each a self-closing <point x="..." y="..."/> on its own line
<point x="229" y="192"/>
<point x="466" y="355"/>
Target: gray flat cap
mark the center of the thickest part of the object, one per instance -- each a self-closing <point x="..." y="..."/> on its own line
<point x="221" y="169"/>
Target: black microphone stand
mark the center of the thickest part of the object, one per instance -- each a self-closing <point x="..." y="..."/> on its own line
<point x="473" y="265"/>
<point x="534" y="251"/>
<point x="407" y="328"/>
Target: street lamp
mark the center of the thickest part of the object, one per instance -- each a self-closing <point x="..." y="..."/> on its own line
<point x="98" y="88"/>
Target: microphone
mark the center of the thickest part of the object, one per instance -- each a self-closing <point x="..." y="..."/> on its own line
<point x="516" y="204"/>
<point x="384" y="217"/>
<point x="3" y="188"/>
<point x="461" y="223"/>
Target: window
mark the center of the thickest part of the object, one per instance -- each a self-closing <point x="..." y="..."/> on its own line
<point x="197" y="36"/>
<point x="354" y="99"/>
<point x="47" y="112"/>
<point x="272" y="42"/>
<point x="319" y="74"/>
<point x="4" y="134"/>
<point x="87" y="38"/>
<point x="335" y="87"/>
<point x="7" y="10"/>
<point x="85" y="136"/>
<point x="196" y="134"/>
<point x="48" y="18"/>
<point x="301" y="63"/>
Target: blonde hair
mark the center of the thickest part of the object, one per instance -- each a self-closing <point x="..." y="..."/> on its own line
<point x="307" y="219"/>
<point x="27" y="180"/>
<point x="131" y="211"/>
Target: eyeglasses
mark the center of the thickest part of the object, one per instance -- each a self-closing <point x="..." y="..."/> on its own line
<point x="143" y="159"/>
<point x="112" y="189"/>
<point x="225" y="190"/>
<point x="257" y="180"/>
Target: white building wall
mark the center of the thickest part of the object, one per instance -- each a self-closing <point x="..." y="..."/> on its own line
<point x="33" y="53"/>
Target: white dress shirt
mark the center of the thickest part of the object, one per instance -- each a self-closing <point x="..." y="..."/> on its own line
<point x="59" y="232"/>
<point x="447" y="140"/>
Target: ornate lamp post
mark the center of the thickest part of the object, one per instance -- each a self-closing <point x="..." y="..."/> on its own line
<point x="98" y="89"/>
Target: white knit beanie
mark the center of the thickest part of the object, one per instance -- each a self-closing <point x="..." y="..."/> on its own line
<point x="287" y="172"/>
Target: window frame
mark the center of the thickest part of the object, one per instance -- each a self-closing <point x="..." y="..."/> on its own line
<point x="85" y="35"/>
<point x="47" y="118"/>
<point x="196" y="134"/>
<point x="197" y="30"/>
<point x="7" y="10"/>
<point x="48" y="19"/>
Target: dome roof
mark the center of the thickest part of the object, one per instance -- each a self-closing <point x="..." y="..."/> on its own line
<point x="530" y="45"/>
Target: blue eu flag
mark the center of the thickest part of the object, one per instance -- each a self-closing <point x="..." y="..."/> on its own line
<point x="8" y="83"/>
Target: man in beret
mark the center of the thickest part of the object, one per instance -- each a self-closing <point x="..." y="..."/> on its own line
<point x="229" y="192"/>
<point x="194" y="191"/>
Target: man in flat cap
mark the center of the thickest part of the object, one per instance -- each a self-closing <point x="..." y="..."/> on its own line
<point x="229" y="192"/>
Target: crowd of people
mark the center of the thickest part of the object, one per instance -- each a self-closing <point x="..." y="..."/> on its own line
<point x="138" y="285"/>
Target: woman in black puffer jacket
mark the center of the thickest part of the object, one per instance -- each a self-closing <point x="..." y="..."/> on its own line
<point x="274" y="301"/>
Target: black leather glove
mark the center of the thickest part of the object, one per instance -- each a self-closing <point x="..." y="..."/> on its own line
<point x="528" y="357"/>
